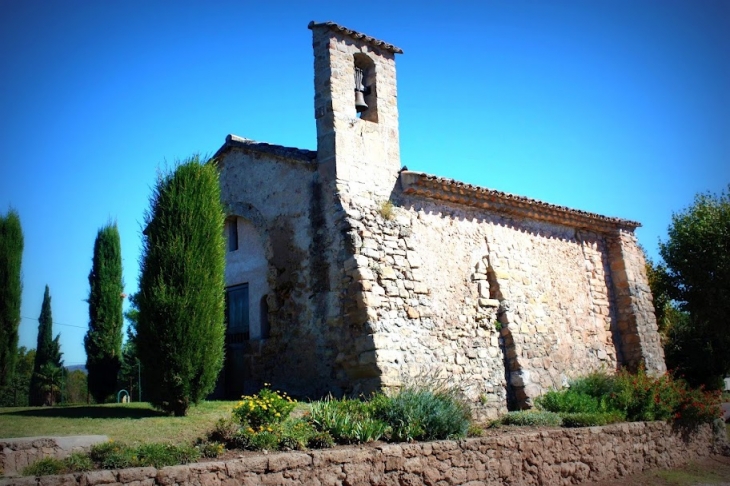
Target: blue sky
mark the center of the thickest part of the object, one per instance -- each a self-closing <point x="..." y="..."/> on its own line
<point x="616" y="107"/>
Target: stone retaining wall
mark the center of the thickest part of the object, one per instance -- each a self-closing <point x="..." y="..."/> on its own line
<point x="517" y="457"/>
<point x="17" y="454"/>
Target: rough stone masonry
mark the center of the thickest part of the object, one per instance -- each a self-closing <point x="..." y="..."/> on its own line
<point x="347" y="273"/>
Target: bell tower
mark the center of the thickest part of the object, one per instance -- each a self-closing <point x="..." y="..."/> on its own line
<point x="356" y="109"/>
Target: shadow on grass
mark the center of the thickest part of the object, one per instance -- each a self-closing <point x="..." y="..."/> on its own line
<point x="105" y="412"/>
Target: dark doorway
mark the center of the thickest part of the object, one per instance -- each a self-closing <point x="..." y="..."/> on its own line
<point x="237" y="335"/>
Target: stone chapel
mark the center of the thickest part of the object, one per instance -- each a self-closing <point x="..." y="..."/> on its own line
<point x="347" y="274"/>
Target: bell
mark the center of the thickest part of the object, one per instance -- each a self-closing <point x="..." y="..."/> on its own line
<point x="360" y="104"/>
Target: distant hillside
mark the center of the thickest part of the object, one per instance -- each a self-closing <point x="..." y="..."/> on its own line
<point x="77" y="367"/>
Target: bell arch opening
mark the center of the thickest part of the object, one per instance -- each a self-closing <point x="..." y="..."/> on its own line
<point x="366" y="92"/>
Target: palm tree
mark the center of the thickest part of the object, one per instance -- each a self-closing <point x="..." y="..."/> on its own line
<point x="50" y="378"/>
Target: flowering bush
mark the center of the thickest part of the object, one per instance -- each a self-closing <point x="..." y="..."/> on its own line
<point x="636" y="396"/>
<point x="262" y="410"/>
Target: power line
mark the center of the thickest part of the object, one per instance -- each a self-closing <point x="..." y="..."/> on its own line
<point x="59" y="323"/>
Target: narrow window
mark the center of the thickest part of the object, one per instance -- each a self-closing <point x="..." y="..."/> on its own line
<point x="233" y="234"/>
<point x="265" y="330"/>
<point x="237" y="314"/>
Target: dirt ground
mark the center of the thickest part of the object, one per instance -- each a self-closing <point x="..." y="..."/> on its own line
<point x="713" y="470"/>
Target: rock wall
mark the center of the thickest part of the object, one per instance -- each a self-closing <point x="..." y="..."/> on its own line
<point x="503" y="308"/>
<point x="17" y="454"/>
<point x="548" y="457"/>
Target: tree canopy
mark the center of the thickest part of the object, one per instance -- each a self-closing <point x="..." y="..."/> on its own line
<point x="697" y="280"/>
<point x="103" y="341"/>
<point x="48" y="355"/>
<point x="11" y="288"/>
<point x="180" y="329"/>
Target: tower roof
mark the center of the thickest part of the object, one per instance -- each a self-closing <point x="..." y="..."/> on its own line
<point x="356" y="35"/>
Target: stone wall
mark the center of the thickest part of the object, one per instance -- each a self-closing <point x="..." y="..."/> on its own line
<point x="504" y="308"/>
<point x="547" y="457"/>
<point x="17" y="454"/>
<point x="503" y="296"/>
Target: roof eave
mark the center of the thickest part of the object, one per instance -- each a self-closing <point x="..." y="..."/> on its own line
<point x="425" y="185"/>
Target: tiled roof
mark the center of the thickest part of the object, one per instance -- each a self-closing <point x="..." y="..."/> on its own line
<point x="421" y="184"/>
<point x="234" y="141"/>
<point x="357" y="35"/>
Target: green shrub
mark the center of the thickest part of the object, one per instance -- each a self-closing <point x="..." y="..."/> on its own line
<point x="631" y="396"/>
<point x="569" y="401"/>
<point x="420" y="414"/>
<point x="265" y="408"/>
<point x="225" y="430"/>
<point x="474" y="431"/>
<point x="211" y="449"/>
<point x="79" y="462"/>
<point x="321" y="440"/>
<point x="596" y="384"/>
<point x="531" y="418"/>
<point x="161" y="455"/>
<point x="347" y="421"/>
<point x="642" y="397"/>
<point x="296" y="434"/>
<point x="590" y="419"/>
<point x="113" y="455"/>
<point x="45" y="467"/>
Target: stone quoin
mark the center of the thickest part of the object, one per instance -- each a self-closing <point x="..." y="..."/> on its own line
<point x="347" y="273"/>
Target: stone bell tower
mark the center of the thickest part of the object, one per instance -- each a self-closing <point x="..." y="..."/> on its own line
<point x="357" y="142"/>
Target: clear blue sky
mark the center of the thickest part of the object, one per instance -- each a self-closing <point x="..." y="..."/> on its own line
<point x="616" y="107"/>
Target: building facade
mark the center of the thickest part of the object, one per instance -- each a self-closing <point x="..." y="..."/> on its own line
<point x="347" y="273"/>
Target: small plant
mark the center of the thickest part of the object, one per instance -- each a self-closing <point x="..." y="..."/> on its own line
<point x="321" y="440"/>
<point x="79" y="462"/>
<point x="265" y="408"/>
<point x="422" y="414"/>
<point x="601" y="398"/>
<point x="45" y="467"/>
<point x="474" y="431"/>
<point x="386" y="210"/>
<point x="497" y="325"/>
<point x="210" y="449"/>
<point x="347" y="421"/>
<point x="531" y="418"/>
<point x="113" y="455"/>
<point x="590" y="419"/>
<point x="569" y="401"/>
<point x="225" y="430"/>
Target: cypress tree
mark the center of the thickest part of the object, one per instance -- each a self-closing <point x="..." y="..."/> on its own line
<point x="180" y="330"/>
<point x="103" y="341"/>
<point x="48" y="352"/>
<point x="11" y="288"/>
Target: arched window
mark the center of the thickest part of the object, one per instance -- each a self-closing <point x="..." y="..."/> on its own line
<point x="366" y="86"/>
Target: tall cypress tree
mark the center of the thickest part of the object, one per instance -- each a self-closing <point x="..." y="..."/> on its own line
<point x="180" y="330"/>
<point x="103" y="341"/>
<point x="48" y="352"/>
<point x="11" y="288"/>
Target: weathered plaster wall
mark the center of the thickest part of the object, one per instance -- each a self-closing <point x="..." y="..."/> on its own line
<point x="549" y="457"/>
<point x="277" y="201"/>
<point x="248" y="264"/>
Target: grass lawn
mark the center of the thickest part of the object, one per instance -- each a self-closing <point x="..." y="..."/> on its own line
<point x="131" y="422"/>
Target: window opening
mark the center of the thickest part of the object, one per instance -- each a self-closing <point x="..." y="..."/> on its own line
<point x="365" y="84"/>
<point x="237" y="314"/>
<point x="264" y="309"/>
<point x="233" y="234"/>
